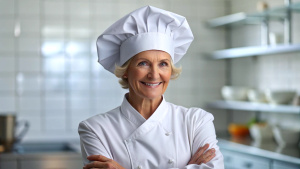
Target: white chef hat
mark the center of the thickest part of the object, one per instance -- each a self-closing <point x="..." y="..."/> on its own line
<point x="147" y="28"/>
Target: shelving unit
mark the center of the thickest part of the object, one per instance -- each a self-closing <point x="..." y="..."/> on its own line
<point x="256" y="107"/>
<point x="282" y="14"/>
<point x="242" y="18"/>
<point x="254" y="51"/>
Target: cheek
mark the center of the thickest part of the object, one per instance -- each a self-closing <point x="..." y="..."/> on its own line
<point x="167" y="76"/>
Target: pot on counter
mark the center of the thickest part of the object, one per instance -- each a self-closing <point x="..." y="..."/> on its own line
<point x="8" y="127"/>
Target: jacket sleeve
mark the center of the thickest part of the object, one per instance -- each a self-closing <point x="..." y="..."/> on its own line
<point x="90" y="143"/>
<point x="204" y="132"/>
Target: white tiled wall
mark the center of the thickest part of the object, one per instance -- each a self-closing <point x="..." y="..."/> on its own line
<point x="49" y="73"/>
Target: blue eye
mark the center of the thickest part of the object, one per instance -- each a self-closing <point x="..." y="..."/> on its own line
<point x="143" y="63"/>
<point x="163" y="64"/>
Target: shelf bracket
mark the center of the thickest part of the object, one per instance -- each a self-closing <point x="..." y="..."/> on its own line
<point x="288" y="23"/>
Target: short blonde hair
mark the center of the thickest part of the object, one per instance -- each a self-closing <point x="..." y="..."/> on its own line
<point x="120" y="71"/>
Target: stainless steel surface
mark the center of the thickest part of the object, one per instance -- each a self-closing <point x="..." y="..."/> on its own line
<point x="8" y="137"/>
<point x="277" y="14"/>
<point x="288" y="23"/>
<point x="43" y="156"/>
<point x="33" y="148"/>
<point x="253" y="51"/>
<point x="7" y="131"/>
<point x="265" y="31"/>
<point x="249" y="106"/>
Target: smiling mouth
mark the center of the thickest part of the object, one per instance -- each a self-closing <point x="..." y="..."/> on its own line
<point x="151" y="84"/>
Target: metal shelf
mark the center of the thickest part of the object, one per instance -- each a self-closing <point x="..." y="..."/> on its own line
<point x="255" y="107"/>
<point x="254" y="51"/>
<point x="281" y="13"/>
<point x="278" y="13"/>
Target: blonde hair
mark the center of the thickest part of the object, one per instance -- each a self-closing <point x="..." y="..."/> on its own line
<point x="120" y="71"/>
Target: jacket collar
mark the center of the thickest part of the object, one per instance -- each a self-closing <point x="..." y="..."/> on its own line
<point x="135" y="117"/>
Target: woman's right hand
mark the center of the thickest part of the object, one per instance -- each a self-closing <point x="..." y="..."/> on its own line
<point x="99" y="161"/>
<point x="203" y="156"/>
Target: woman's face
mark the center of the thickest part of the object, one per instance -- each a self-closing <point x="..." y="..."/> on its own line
<point x="149" y="74"/>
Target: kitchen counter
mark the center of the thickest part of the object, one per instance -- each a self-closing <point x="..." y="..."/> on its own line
<point x="43" y="156"/>
<point x="43" y="150"/>
<point x="271" y="150"/>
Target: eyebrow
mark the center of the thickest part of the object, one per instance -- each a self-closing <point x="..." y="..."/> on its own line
<point x="149" y="60"/>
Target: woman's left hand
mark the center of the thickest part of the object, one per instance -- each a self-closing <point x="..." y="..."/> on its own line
<point x="203" y="155"/>
<point x="100" y="161"/>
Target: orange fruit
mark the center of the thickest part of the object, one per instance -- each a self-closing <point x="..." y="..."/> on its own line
<point x="238" y="130"/>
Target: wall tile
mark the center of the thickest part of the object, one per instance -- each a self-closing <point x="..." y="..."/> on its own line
<point x="54" y="8"/>
<point x="30" y="26"/>
<point x="54" y="102"/>
<point x="53" y="28"/>
<point x="7" y="26"/>
<point x="30" y="103"/>
<point x="55" y="123"/>
<point x="79" y="9"/>
<point x="35" y="123"/>
<point x="7" y="44"/>
<point x="55" y="112"/>
<point x="54" y="84"/>
<point x="29" y="64"/>
<point x="29" y="82"/>
<point x="29" y="44"/>
<point x="55" y="64"/>
<point x="79" y="28"/>
<point x="30" y="112"/>
<point x="79" y="103"/>
<point x="7" y="103"/>
<point x="29" y="7"/>
<point x="7" y="83"/>
<point x="7" y="64"/>
<point x="7" y="8"/>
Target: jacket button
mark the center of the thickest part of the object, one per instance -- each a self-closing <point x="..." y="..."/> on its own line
<point x="168" y="133"/>
<point x="171" y="161"/>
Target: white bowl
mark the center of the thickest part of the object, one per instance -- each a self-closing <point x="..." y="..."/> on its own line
<point x="286" y="136"/>
<point x="256" y="96"/>
<point x="280" y="96"/>
<point x="234" y="93"/>
<point x="261" y="132"/>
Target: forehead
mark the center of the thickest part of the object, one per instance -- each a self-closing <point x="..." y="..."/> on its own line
<point x="153" y="55"/>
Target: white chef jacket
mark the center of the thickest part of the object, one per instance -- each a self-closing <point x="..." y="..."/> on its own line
<point x="167" y="139"/>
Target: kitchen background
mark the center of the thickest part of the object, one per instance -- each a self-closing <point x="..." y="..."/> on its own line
<point x="49" y="73"/>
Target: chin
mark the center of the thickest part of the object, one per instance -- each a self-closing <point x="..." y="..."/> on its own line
<point x="153" y="96"/>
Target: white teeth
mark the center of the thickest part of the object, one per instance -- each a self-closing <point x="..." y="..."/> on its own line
<point x="149" y="84"/>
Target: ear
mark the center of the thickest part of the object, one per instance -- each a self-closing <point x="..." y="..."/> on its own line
<point x="125" y="75"/>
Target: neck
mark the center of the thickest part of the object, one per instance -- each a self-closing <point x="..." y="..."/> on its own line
<point x="146" y="107"/>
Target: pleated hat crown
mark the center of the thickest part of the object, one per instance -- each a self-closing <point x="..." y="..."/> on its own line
<point x="147" y="28"/>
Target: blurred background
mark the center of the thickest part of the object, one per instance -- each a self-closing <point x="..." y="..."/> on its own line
<point x="50" y="77"/>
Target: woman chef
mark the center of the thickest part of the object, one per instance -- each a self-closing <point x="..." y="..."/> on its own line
<point x="146" y="131"/>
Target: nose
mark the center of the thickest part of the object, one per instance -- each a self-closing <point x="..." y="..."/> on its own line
<point x="153" y="73"/>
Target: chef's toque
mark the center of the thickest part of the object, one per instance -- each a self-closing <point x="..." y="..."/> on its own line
<point x="147" y="28"/>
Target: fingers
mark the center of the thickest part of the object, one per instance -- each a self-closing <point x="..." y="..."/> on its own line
<point x="94" y="164"/>
<point x="98" y="161"/>
<point x="198" y="154"/>
<point x="203" y="155"/>
<point x="207" y="156"/>
<point x="98" y="158"/>
<point x="202" y="149"/>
